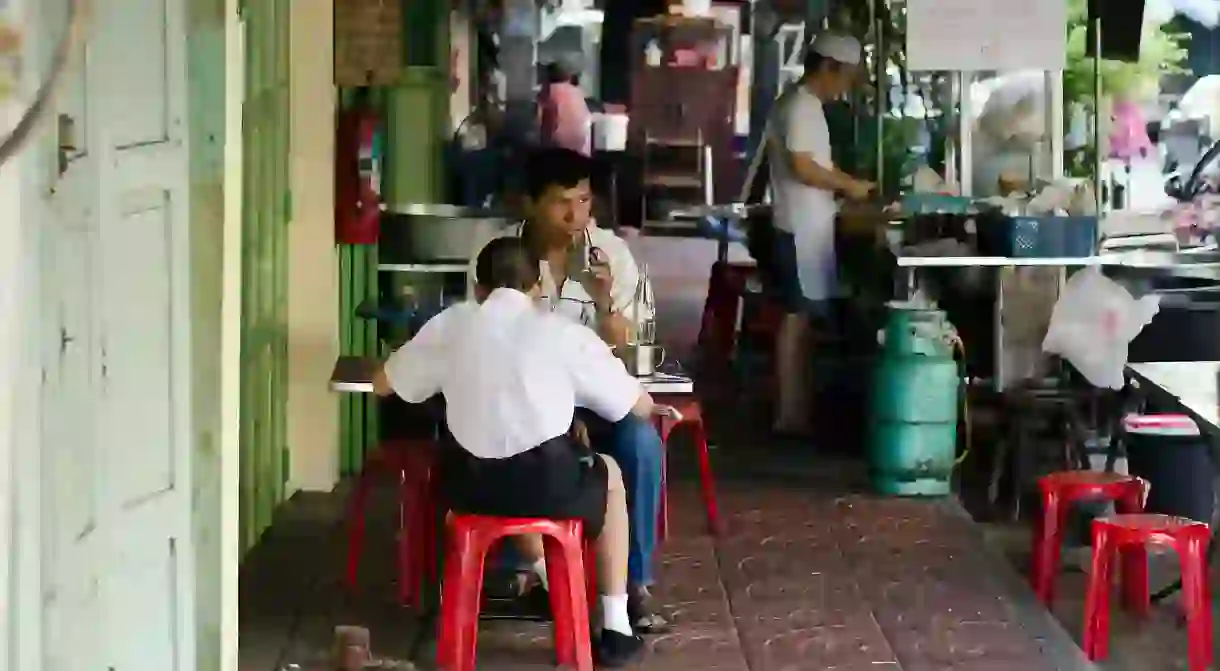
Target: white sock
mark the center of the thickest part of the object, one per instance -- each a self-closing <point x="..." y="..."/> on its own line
<point x="614" y="614"/>
<point x="539" y="568"/>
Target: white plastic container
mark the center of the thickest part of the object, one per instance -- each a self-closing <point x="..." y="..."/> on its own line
<point x="653" y="54"/>
<point x="610" y="131"/>
<point x="696" y="7"/>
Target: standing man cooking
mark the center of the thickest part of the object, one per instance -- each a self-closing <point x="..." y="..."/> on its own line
<point x="589" y="276"/>
<point x="805" y="183"/>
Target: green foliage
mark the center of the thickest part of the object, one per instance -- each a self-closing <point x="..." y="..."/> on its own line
<point x="1162" y="52"/>
<point x="855" y="150"/>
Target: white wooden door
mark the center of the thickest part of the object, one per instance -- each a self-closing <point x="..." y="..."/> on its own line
<point x="119" y="577"/>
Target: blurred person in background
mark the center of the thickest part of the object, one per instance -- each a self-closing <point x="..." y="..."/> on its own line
<point x="563" y="114"/>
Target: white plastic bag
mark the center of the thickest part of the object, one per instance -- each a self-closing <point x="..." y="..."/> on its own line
<point x="1093" y="322"/>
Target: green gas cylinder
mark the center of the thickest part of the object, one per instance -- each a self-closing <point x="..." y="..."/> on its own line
<point x="913" y="432"/>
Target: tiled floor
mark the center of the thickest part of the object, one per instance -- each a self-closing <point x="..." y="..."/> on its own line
<point x="809" y="575"/>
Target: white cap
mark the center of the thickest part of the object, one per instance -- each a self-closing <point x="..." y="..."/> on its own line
<point x="841" y="48"/>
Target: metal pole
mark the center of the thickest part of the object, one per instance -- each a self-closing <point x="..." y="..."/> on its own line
<point x="965" y="131"/>
<point x="882" y="92"/>
<point x="952" y="154"/>
<point x="1097" y="113"/>
<point x="1054" y="112"/>
<point x="519" y="62"/>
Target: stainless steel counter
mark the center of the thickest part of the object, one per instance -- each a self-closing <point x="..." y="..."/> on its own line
<point x="425" y="267"/>
<point x="1139" y="264"/>
<point x="444" y="210"/>
<point x="1133" y="258"/>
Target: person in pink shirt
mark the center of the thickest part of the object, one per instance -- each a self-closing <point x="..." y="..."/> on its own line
<point x="1129" y="135"/>
<point x="563" y="115"/>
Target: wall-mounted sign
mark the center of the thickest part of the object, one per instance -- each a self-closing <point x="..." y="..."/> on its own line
<point x="368" y="42"/>
<point x="986" y="34"/>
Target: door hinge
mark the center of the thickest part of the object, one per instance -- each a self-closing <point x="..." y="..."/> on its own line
<point x="288" y="206"/>
<point x="64" y="340"/>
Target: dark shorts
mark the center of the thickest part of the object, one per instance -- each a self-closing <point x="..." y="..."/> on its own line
<point x="560" y="479"/>
<point x="783" y="280"/>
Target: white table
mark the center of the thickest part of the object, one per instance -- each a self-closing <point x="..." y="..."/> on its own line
<point x="354" y="375"/>
<point x="1192" y="384"/>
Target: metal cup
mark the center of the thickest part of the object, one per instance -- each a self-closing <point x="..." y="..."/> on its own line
<point x="643" y="360"/>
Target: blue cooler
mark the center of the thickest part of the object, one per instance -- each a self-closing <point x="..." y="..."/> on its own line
<point x="1169" y="452"/>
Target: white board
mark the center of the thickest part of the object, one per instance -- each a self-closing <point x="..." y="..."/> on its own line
<point x="986" y="34"/>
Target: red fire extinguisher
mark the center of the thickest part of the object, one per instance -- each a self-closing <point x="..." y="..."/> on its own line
<point x="358" y="161"/>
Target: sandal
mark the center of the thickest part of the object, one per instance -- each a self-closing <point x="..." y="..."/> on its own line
<point x="643" y="619"/>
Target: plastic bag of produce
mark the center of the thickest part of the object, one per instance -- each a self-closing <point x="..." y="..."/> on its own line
<point x="1093" y="322"/>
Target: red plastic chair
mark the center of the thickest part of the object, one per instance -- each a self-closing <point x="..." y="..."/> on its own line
<point x="692" y="416"/>
<point x="718" y="329"/>
<point x="1057" y="491"/>
<point x="469" y="539"/>
<point x="411" y="463"/>
<point x="1128" y="535"/>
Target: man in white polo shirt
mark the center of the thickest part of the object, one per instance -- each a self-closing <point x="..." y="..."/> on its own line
<point x="589" y="277"/>
<point x="805" y="181"/>
<point x="512" y="376"/>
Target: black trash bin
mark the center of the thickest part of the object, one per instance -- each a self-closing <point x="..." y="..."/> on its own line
<point x="1169" y="452"/>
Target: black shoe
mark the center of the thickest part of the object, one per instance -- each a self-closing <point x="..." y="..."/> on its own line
<point x="613" y="650"/>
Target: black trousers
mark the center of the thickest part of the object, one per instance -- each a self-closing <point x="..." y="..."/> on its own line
<point x="559" y="479"/>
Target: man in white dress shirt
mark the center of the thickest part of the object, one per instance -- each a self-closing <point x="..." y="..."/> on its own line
<point x="512" y="376"/>
<point x="589" y="277"/>
<point x="803" y="277"/>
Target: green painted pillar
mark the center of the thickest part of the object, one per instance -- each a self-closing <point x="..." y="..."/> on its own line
<point x="266" y="212"/>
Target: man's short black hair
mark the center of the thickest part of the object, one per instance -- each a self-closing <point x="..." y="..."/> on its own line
<point x="548" y="167"/>
<point x="814" y="62"/>
<point x="506" y="263"/>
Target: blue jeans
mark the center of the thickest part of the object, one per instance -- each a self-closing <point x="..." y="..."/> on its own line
<point x="636" y="446"/>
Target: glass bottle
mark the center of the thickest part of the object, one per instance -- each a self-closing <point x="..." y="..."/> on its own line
<point x="644" y="306"/>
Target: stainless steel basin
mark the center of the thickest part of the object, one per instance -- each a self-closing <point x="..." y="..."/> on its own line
<point x="415" y="232"/>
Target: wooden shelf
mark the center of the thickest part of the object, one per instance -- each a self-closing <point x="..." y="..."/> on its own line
<point x="673" y="181"/>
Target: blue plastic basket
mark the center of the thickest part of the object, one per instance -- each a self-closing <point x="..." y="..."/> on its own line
<point x="1048" y="237"/>
<point x="934" y="203"/>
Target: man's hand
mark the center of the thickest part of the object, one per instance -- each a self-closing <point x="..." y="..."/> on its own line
<point x="381" y="382"/>
<point x="580" y="433"/>
<point x="859" y="189"/>
<point x="598" y="281"/>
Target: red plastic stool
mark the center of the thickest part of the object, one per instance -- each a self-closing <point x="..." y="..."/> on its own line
<point x="412" y="464"/>
<point x="692" y="416"/>
<point x="470" y="538"/>
<point x="1129" y="534"/>
<point x="718" y="329"/>
<point x="1057" y="491"/>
